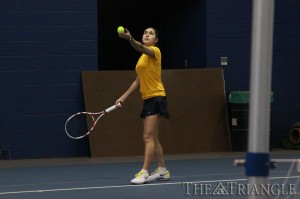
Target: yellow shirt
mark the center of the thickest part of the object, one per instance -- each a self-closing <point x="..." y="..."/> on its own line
<point x="148" y="70"/>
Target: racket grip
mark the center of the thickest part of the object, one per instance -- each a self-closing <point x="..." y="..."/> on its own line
<point x="110" y="109"/>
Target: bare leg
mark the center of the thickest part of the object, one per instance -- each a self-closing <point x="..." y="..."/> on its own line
<point x="159" y="154"/>
<point x="149" y="135"/>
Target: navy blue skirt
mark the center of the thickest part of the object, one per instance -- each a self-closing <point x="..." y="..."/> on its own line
<point x="155" y="105"/>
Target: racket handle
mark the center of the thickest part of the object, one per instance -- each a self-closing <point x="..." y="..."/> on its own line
<point x="110" y="109"/>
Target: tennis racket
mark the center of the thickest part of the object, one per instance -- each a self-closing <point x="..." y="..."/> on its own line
<point x="76" y="125"/>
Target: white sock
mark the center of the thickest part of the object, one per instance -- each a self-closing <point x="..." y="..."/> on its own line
<point x="145" y="171"/>
<point x="162" y="169"/>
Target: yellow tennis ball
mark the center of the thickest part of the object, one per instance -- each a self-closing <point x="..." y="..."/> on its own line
<point x="121" y="29"/>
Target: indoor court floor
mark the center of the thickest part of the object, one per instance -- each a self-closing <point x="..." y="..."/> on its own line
<point x="207" y="175"/>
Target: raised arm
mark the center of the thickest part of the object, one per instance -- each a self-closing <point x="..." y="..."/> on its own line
<point x="138" y="46"/>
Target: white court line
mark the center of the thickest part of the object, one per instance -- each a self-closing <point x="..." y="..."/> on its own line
<point x="126" y="186"/>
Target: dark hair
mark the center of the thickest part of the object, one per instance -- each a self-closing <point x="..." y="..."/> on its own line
<point x="156" y="32"/>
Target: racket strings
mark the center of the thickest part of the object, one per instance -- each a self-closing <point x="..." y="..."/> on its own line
<point x="80" y="125"/>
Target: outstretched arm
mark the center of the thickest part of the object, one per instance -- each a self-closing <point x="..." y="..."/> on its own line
<point x="138" y="46"/>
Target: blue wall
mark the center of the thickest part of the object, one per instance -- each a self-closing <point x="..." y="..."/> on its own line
<point x="286" y="68"/>
<point x="229" y="34"/>
<point x="44" y="45"/>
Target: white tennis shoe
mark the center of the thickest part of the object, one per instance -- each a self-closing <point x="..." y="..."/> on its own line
<point x="159" y="175"/>
<point x="140" y="178"/>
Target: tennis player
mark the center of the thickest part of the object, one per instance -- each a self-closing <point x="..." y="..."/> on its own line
<point x="148" y="80"/>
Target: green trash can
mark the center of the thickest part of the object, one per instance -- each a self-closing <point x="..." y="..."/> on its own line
<point x="239" y="101"/>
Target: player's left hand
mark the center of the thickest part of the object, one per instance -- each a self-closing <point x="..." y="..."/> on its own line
<point x="126" y="35"/>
